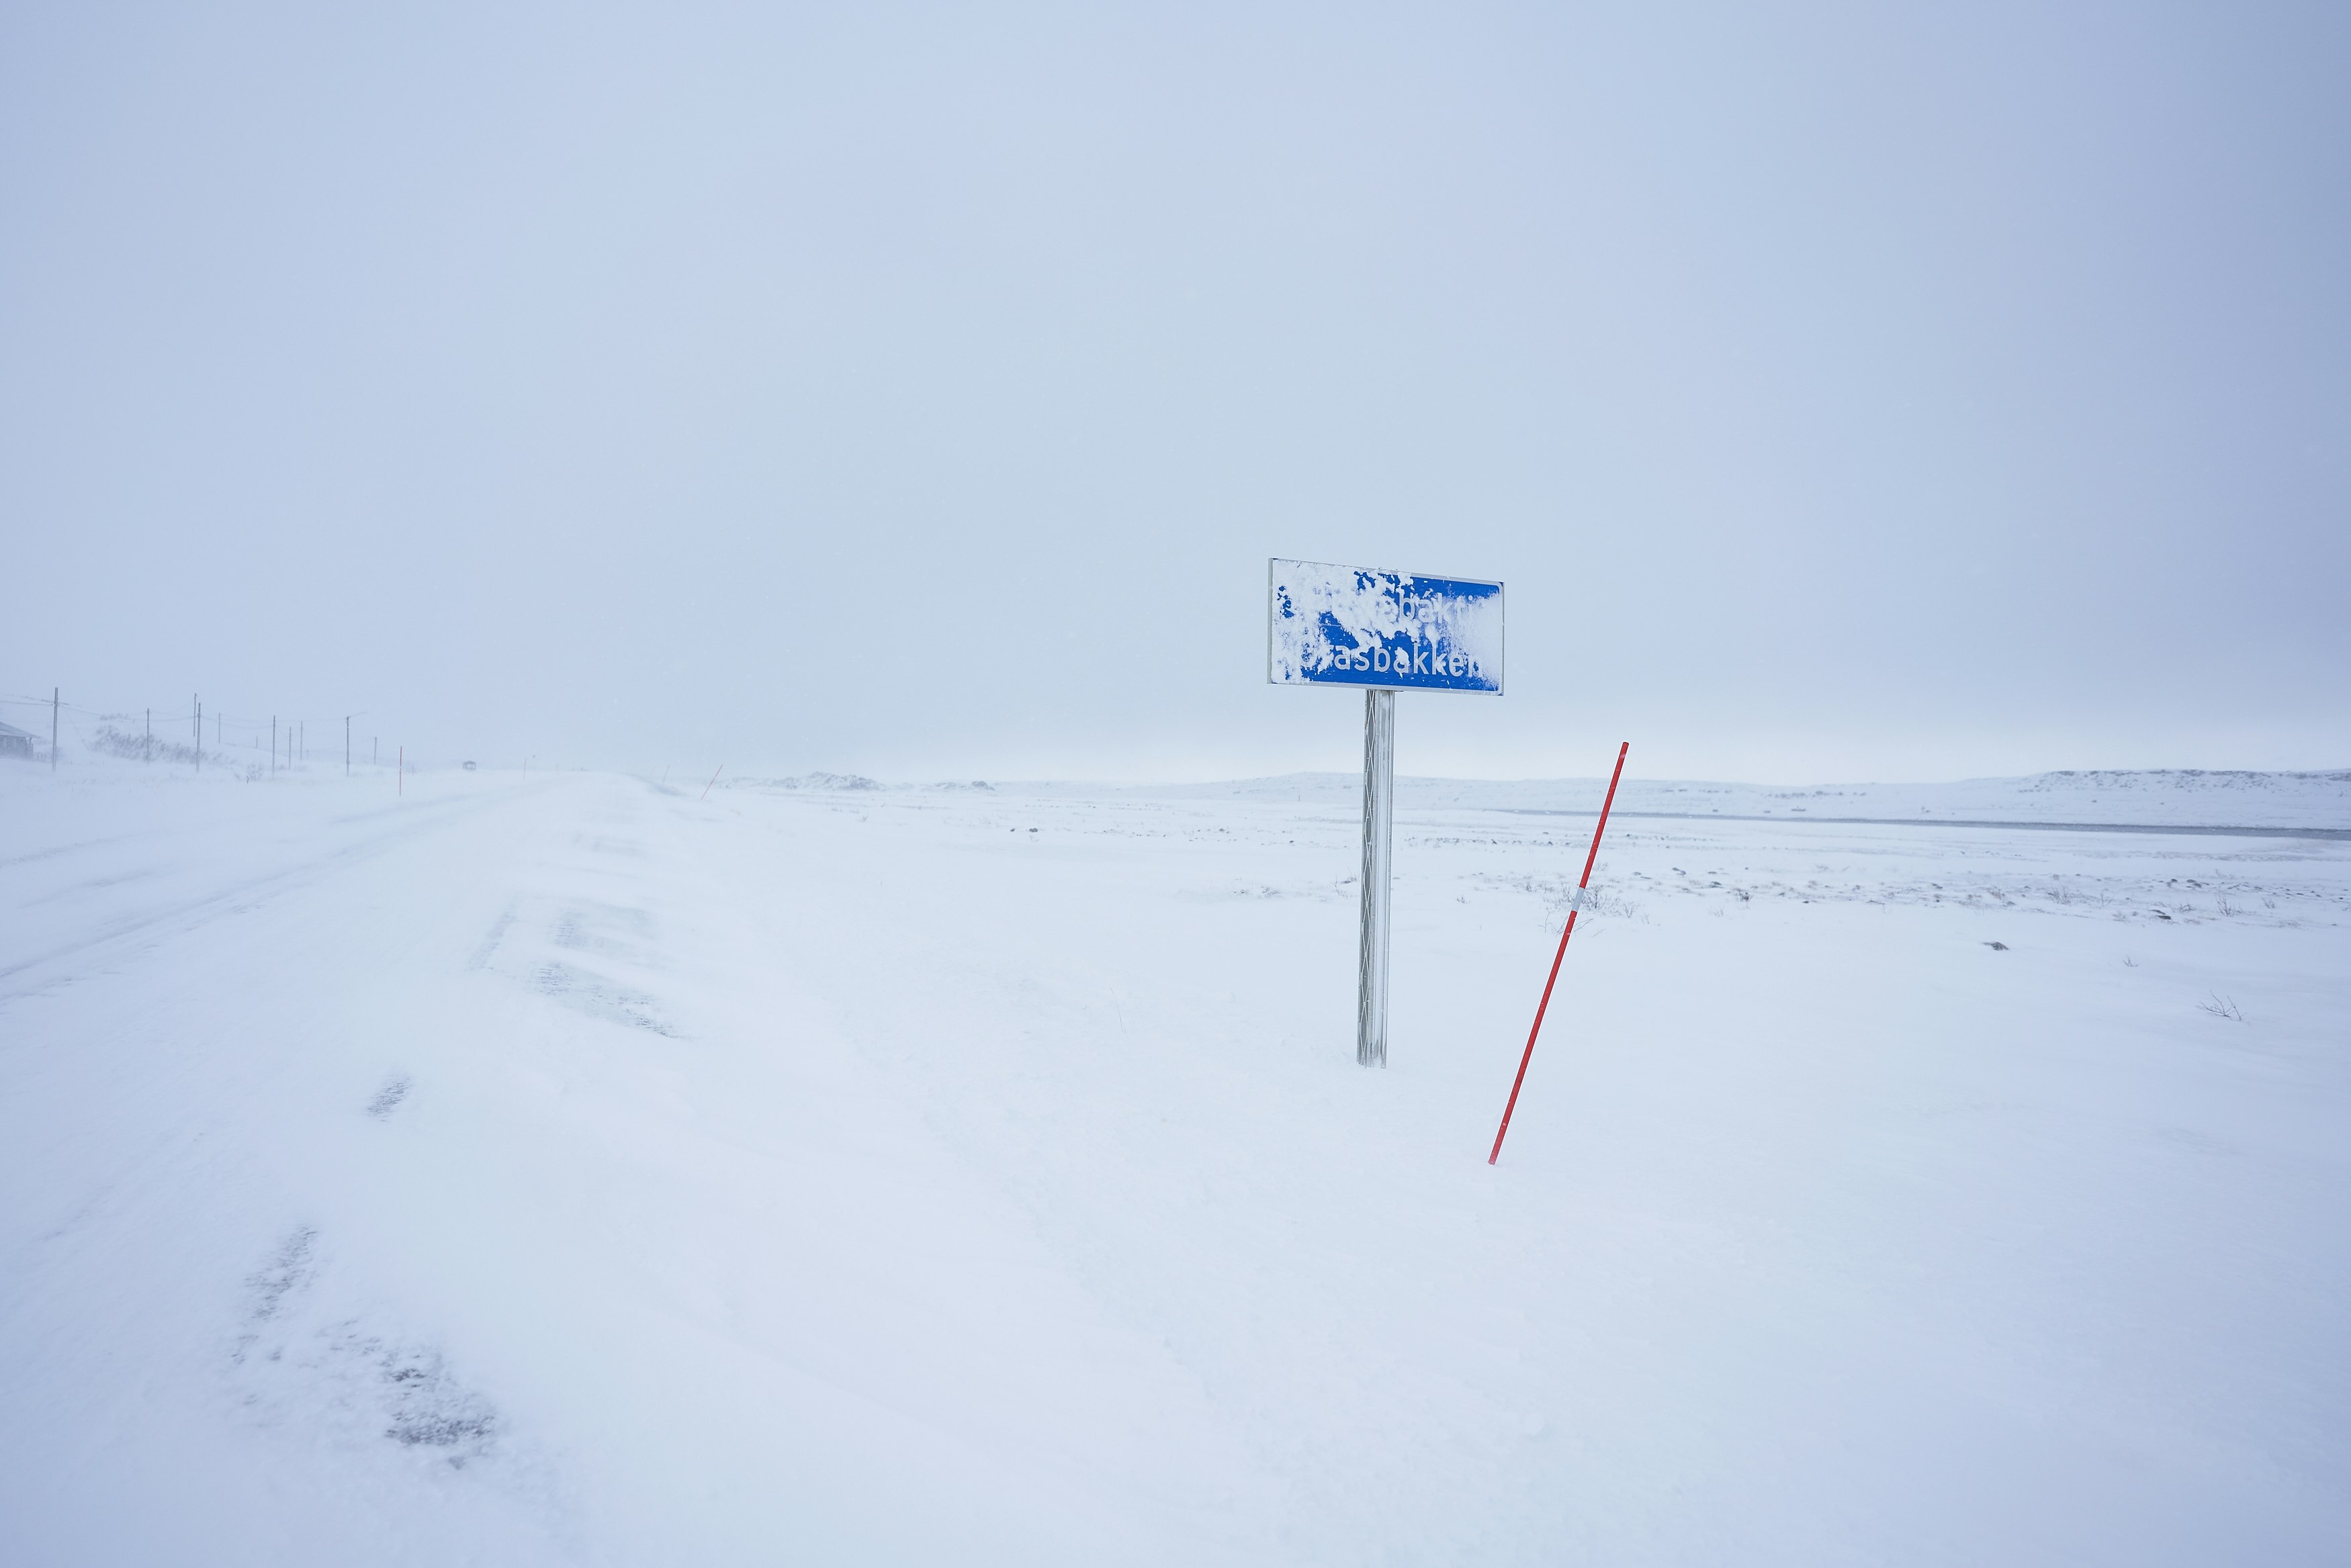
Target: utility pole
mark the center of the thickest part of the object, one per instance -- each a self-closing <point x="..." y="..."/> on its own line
<point x="53" y="729"/>
<point x="375" y="751"/>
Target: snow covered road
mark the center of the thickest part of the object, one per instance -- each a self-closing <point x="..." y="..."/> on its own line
<point x="572" y="1170"/>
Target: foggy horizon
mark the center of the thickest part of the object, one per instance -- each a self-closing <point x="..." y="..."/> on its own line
<point x="1842" y="396"/>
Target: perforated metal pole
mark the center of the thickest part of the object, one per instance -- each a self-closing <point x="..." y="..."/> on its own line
<point x="1379" y="816"/>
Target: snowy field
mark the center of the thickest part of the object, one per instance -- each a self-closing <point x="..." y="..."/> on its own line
<point x="571" y="1170"/>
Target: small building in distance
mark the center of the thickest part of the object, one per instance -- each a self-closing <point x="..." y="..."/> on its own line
<point x="17" y="743"/>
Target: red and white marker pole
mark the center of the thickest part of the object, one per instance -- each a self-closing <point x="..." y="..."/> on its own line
<point x="1573" y="909"/>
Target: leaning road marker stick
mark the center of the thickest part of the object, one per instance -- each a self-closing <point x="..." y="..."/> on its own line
<point x="1573" y="909"/>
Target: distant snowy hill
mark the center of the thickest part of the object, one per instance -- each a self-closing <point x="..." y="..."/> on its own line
<point x="2169" y="796"/>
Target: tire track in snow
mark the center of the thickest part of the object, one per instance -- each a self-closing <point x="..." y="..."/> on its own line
<point x="55" y="850"/>
<point x="192" y="913"/>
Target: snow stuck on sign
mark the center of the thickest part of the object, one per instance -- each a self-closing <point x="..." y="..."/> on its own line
<point x="1350" y="625"/>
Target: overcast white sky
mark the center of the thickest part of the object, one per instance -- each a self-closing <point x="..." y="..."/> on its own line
<point x="1868" y="391"/>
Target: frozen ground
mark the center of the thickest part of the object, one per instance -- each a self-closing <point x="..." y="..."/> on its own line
<point x="568" y="1170"/>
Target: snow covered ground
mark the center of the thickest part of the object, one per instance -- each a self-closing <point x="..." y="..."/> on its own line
<point x="570" y="1170"/>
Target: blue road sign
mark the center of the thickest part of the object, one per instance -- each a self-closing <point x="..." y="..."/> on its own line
<point x="1350" y="626"/>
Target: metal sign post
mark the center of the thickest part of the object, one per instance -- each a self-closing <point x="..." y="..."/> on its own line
<point x="1384" y="632"/>
<point x="1379" y="857"/>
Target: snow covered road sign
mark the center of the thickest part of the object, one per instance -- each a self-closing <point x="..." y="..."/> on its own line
<point x="1384" y="632"/>
<point x="1348" y="626"/>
